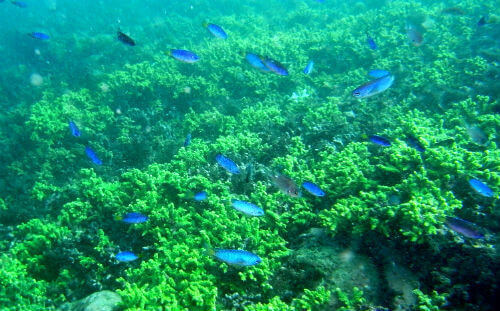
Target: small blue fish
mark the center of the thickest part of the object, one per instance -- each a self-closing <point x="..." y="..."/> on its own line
<point x="92" y="155"/>
<point x="227" y="164"/>
<point x="134" y="218"/>
<point x="378" y="73"/>
<point x="74" y="129"/>
<point x="20" y="4"/>
<point x="184" y="56"/>
<point x="464" y="227"/>
<point x="216" y="30"/>
<point x="275" y="67"/>
<point x="247" y="208"/>
<point x="126" y="256"/>
<point x="200" y="196"/>
<point x="313" y="189"/>
<point x="371" y="42"/>
<point x="414" y="143"/>
<point x="237" y="257"/>
<point x="373" y="87"/>
<point x="256" y="61"/>
<point x="309" y="67"/>
<point x="481" y="188"/>
<point x="187" y="141"/>
<point x="39" y="35"/>
<point x="379" y="140"/>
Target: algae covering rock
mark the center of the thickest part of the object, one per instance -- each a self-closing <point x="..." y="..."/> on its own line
<point x="101" y="301"/>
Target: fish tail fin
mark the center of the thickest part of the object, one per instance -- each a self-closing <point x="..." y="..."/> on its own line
<point x="204" y="24"/>
<point x="118" y="218"/>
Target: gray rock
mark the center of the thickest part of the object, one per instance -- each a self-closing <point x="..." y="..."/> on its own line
<point x="100" y="301"/>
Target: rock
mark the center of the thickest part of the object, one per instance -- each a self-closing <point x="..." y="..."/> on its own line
<point x="100" y="301"/>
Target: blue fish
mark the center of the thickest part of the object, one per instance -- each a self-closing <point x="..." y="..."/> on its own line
<point x="92" y="155"/>
<point x="247" y="208"/>
<point x="378" y="73"/>
<point x="227" y="164"/>
<point x="20" y="4"/>
<point x="313" y="189"/>
<point x="184" y="56"/>
<point x="200" y="196"/>
<point x="379" y="140"/>
<point x="126" y="256"/>
<point x="464" y="227"/>
<point x="371" y="42"/>
<point x="309" y="67"/>
<point x="373" y="87"/>
<point x="275" y="67"/>
<point x="414" y="143"/>
<point x="134" y="218"/>
<point x="216" y="30"/>
<point x="39" y="35"/>
<point x="74" y="129"/>
<point x="481" y="188"/>
<point x="187" y="141"/>
<point x="237" y="257"/>
<point x="256" y="61"/>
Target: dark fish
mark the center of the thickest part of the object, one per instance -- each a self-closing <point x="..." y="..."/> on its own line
<point x="187" y="141"/>
<point x="247" y="208"/>
<point x="286" y="185"/>
<point x="415" y="37"/>
<point x="275" y="67"/>
<point x="237" y="257"/>
<point x="184" y="56"/>
<point x="483" y="21"/>
<point x="20" y="4"/>
<point x="373" y="87"/>
<point x="134" y="218"/>
<point x="92" y="155"/>
<point x="481" y="188"/>
<point x="126" y="256"/>
<point x="453" y="11"/>
<point x="124" y="38"/>
<point x="464" y="227"/>
<point x="200" y="196"/>
<point x="414" y="143"/>
<point x="379" y="140"/>
<point x="227" y="164"/>
<point x="39" y="35"/>
<point x="309" y="67"/>
<point x="256" y="61"/>
<point x="74" y="129"/>
<point x="313" y="189"/>
<point x="371" y="42"/>
<point x="215" y="30"/>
